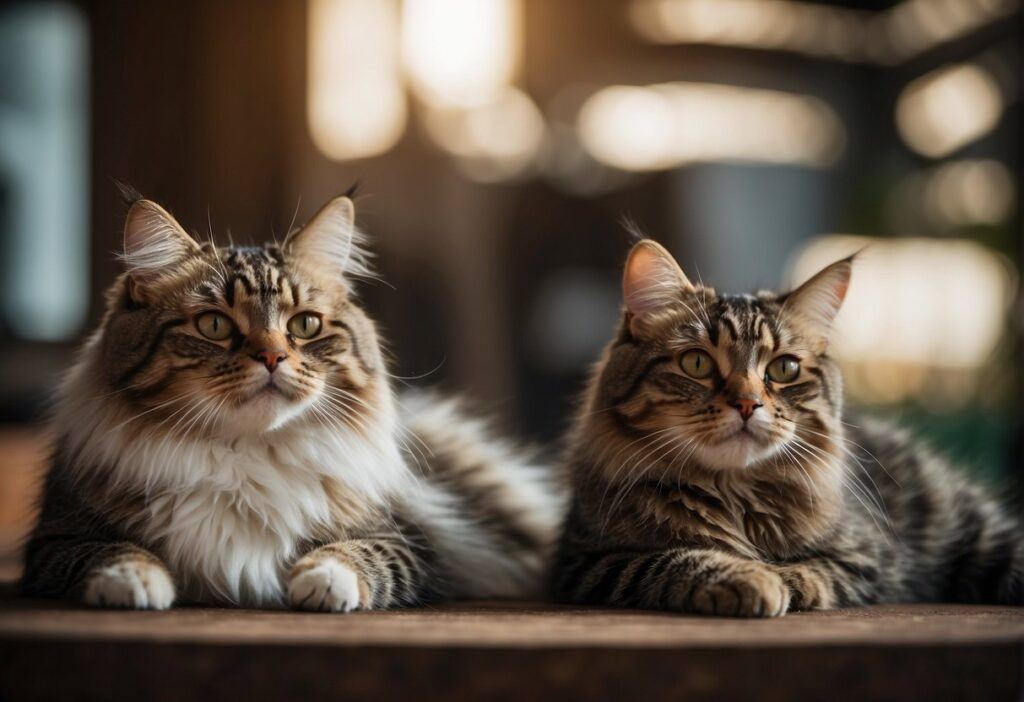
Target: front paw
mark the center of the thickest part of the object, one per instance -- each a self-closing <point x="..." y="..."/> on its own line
<point x="326" y="585"/>
<point x="129" y="584"/>
<point x="750" y="591"/>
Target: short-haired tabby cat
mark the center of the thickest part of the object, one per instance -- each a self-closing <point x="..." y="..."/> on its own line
<point x="229" y="435"/>
<point x="714" y="473"/>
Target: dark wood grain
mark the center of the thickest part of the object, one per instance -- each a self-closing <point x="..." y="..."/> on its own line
<point x="506" y="651"/>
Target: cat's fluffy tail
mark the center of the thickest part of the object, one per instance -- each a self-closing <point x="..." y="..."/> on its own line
<point x="491" y="509"/>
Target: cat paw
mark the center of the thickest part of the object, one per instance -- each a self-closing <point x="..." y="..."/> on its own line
<point x="328" y="586"/>
<point x="807" y="589"/>
<point x="129" y="584"/>
<point x="746" y="592"/>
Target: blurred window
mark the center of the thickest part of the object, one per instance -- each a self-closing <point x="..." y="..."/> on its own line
<point x="44" y="170"/>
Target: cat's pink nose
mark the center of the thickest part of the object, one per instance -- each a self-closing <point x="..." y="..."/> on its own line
<point x="270" y="358"/>
<point x="745" y="406"/>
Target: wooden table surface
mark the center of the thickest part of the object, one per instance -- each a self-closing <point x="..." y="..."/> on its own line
<point x="499" y="651"/>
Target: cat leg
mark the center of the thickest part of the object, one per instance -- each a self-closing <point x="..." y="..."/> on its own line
<point x="372" y="573"/>
<point x="697" y="581"/>
<point x="1011" y="586"/>
<point x="989" y="567"/>
<point x="100" y="573"/>
<point x="829" y="583"/>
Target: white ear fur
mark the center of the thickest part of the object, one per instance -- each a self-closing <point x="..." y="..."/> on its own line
<point x="331" y="239"/>
<point x="814" y="305"/>
<point x="153" y="240"/>
<point x="652" y="279"/>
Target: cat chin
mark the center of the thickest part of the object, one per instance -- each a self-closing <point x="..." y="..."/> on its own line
<point x="735" y="453"/>
<point x="262" y="415"/>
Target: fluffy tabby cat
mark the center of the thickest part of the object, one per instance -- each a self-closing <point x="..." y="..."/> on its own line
<point x="229" y="435"/>
<point x="714" y="474"/>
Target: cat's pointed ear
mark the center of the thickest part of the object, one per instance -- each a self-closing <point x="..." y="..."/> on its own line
<point x="652" y="279"/>
<point x="330" y="239"/>
<point x="814" y="305"/>
<point x="153" y="242"/>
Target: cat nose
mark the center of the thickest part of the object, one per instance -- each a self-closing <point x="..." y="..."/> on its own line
<point x="270" y="358"/>
<point x="745" y="406"/>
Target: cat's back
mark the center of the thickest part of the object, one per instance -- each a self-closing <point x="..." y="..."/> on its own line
<point x="889" y="461"/>
<point x="499" y="502"/>
<point x="926" y="503"/>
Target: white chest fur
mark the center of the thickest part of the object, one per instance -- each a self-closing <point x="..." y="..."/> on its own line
<point x="227" y="517"/>
<point x="233" y="528"/>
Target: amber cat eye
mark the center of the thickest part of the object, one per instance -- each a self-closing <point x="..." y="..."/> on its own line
<point x="697" y="364"/>
<point x="304" y="325"/>
<point x="214" y="325"/>
<point x="784" y="369"/>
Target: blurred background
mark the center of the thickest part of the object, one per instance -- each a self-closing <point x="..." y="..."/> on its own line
<point x="500" y="143"/>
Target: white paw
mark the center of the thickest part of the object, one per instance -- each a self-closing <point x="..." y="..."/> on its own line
<point x="130" y="584"/>
<point x="326" y="587"/>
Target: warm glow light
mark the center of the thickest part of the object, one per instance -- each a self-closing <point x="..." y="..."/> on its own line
<point x="460" y="53"/>
<point x="948" y="108"/>
<point x="802" y="27"/>
<point x="907" y="29"/>
<point x="969" y="192"/>
<point x="918" y="311"/>
<point x="356" y="101"/>
<point x="495" y="141"/>
<point x="916" y="26"/>
<point x="956" y="194"/>
<point x="672" y="124"/>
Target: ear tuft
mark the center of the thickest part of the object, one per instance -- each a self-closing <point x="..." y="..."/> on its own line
<point x="652" y="279"/>
<point x="153" y="241"/>
<point x="814" y="305"/>
<point x="129" y="195"/>
<point x="331" y="239"/>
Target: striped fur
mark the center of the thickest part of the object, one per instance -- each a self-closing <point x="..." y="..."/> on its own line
<point x="192" y="468"/>
<point x="680" y="504"/>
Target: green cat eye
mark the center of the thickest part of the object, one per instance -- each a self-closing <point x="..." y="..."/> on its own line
<point x="697" y="364"/>
<point x="304" y="325"/>
<point x="784" y="369"/>
<point x="214" y="325"/>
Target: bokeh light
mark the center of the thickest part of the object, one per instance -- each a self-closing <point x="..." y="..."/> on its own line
<point x="356" y="98"/>
<point x="673" y="124"/>
<point x="460" y="54"/>
<point x="948" y="108"/>
<point x="919" y="312"/>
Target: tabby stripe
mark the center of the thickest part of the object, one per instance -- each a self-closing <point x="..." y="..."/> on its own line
<point x="627" y="593"/>
<point x="602" y="590"/>
<point x="701" y="495"/>
<point x="383" y="592"/>
<point x="406" y="559"/>
<point x="663" y="576"/>
<point x="399" y="577"/>
<point x="407" y="569"/>
<point x="569" y="576"/>
<point x="640" y="377"/>
<point x="483" y="502"/>
<point x="691" y="569"/>
<point x="623" y="424"/>
<point x="151" y="351"/>
<point x="826" y="390"/>
<point x="728" y="324"/>
<point x="752" y="322"/>
<point x="920" y="508"/>
<point x="229" y="288"/>
<point x="355" y="343"/>
<point x="208" y="294"/>
<point x="962" y="551"/>
<point x="996" y="565"/>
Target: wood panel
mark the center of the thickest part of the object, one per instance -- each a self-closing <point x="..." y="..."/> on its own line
<point x="509" y="651"/>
